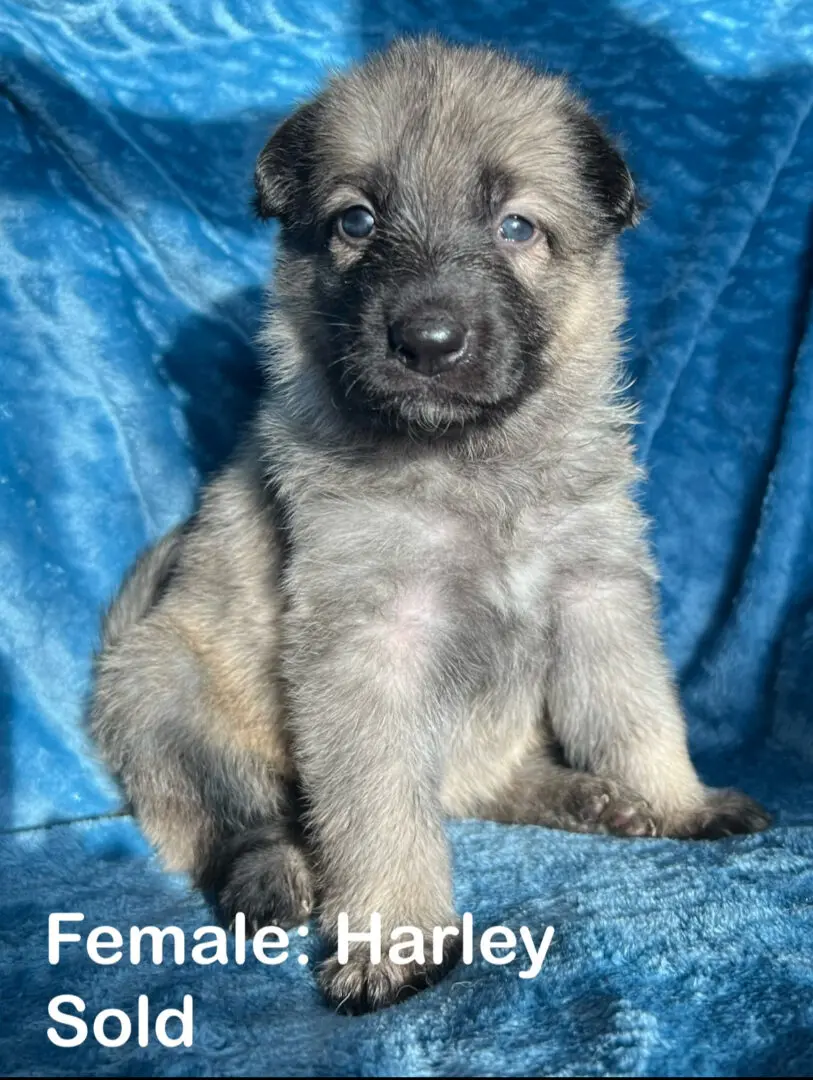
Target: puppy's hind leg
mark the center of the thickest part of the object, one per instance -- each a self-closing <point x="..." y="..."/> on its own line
<point x="545" y="792"/>
<point x="512" y="770"/>
<point x="262" y="871"/>
<point x="216" y="804"/>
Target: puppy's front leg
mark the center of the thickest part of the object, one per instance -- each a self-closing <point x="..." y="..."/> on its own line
<point x="367" y="717"/>
<point x="615" y="710"/>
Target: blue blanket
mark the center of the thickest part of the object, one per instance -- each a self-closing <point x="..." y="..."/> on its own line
<point x="130" y="288"/>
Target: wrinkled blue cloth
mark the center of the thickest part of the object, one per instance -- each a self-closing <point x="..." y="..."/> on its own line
<point x="130" y="284"/>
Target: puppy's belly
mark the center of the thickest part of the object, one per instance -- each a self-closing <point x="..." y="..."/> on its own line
<point x="500" y="726"/>
<point x="490" y="742"/>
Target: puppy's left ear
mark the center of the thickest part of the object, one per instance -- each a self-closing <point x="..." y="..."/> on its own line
<point x="607" y="175"/>
<point x="280" y="175"/>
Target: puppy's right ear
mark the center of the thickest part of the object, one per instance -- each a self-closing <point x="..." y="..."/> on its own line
<point x="281" y="170"/>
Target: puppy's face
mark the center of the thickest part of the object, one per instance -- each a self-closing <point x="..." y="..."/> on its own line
<point x="434" y="204"/>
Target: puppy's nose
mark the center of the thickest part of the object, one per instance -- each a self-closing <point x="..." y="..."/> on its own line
<point x="428" y="341"/>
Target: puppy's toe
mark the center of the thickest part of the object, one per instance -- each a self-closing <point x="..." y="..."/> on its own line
<point x="268" y="880"/>
<point x="630" y="817"/>
<point x="359" y="986"/>
<point x="596" y="804"/>
<point x="725" y="812"/>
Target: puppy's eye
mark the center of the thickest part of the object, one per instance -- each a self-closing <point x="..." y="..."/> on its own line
<point x="516" y="229"/>
<point x="357" y="223"/>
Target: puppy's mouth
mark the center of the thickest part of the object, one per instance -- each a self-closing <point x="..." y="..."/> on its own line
<point x="427" y="365"/>
<point x="401" y="392"/>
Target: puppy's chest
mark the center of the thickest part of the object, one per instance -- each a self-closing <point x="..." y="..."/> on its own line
<point x="484" y="566"/>
<point x="513" y="577"/>
<point x="444" y="559"/>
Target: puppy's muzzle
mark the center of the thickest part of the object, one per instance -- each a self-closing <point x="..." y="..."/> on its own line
<point x="429" y="340"/>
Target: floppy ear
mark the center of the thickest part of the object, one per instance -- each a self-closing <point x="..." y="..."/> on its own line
<point x="607" y="176"/>
<point x="281" y="170"/>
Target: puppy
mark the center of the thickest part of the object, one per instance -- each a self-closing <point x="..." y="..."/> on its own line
<point x="421" y="588"/>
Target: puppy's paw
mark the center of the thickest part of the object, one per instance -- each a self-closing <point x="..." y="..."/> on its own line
<point x="594" y="804"/>
<point x="267" y="879"/>
<point x="724" y="812"/>
<point x="360" y="986"/>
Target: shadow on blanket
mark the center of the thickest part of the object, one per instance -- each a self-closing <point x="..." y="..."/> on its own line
<point x="219" y="372"/>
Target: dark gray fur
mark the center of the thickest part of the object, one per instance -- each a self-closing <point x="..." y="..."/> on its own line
<point x="412" y="597"/>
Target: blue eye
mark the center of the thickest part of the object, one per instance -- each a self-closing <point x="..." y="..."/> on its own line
<point x="516" y="229"/>
<point x="357" y="223"/>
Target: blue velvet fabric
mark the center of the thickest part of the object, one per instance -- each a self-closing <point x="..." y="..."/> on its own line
<point x="129" y="292"/>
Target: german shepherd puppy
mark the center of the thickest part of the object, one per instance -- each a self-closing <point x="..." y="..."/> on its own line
<point x="422" y="587"/>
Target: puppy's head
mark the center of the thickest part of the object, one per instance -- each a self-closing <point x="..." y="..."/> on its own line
<point x="439" y="206"/>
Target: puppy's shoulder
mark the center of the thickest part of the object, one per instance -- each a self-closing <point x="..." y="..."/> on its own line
<point x="233" y="548"/>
